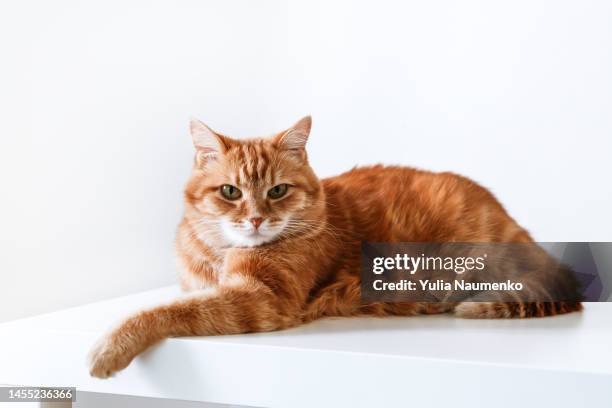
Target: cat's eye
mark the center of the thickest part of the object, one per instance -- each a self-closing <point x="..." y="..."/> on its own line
<point x="230" y="192"/>
<point x="278" y="191"/>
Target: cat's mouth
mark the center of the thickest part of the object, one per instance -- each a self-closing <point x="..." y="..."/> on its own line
<point x="242" y="237"/>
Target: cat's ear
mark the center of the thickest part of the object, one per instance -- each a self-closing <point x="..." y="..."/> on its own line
<point x="294" y="139"/>
<point x="208" y="144"/>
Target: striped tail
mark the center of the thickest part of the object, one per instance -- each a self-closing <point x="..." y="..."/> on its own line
<point x="557" y="293"/>
<point x="509" y="310"/>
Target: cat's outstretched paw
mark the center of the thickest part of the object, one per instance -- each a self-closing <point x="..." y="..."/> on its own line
<point x="107" y="357"/>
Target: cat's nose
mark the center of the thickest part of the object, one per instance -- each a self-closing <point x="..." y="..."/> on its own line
<point x="256" y="221"/>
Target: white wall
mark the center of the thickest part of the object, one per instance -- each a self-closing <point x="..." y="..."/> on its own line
<point x="96" y="96"/>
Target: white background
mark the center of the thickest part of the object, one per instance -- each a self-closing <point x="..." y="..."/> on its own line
<point x="95" y="98"/>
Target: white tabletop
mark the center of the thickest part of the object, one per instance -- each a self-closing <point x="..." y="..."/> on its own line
<point x="332" y="362"/>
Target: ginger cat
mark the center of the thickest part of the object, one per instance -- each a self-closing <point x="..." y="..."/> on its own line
<point x="265" y="245"/>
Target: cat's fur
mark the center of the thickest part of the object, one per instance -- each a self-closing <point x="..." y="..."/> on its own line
<point x="303" y="261"/>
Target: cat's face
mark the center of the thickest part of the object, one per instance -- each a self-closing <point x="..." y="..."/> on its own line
<point x="248" y="193"/>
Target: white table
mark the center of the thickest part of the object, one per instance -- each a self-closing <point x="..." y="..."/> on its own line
<point x="563" y="361"/>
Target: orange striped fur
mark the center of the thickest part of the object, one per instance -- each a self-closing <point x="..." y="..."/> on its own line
<point x="259" y="263"/>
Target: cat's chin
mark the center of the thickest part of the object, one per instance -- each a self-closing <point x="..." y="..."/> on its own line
<point x="237" y="239"/>
<point x="247" y="236"/>
<point x="251" y="241"/>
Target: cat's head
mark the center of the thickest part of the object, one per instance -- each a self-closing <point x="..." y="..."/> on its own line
<point x="245" y="193"/>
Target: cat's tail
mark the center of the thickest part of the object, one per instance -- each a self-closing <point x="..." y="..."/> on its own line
<point x="557" y="293"/>
<point x="507" y="310"/>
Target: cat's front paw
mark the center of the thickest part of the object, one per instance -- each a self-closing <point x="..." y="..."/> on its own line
<point x="108" y="357"/>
